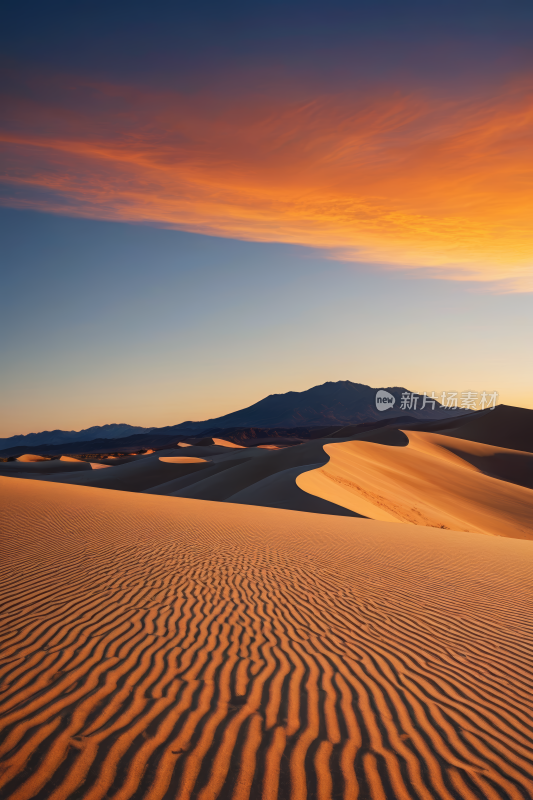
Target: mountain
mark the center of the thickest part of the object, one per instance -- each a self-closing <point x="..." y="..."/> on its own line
<point x="113" y="431"/>
<point x="330" y="405"/>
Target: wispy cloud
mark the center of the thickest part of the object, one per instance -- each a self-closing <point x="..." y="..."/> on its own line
<point x="390" y="177"/>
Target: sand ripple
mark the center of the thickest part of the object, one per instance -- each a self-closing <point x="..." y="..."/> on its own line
<point x="156" y="647"/>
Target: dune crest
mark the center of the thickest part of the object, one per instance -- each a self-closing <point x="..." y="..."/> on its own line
<point x="30" y="457"/>
<point x="434" y="481"/>
<point x="156" y="648"/>
<point x="182" y="460"/>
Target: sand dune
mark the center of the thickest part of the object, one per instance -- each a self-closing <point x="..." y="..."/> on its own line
<point x="135" y="476"/>
<point x="225" y="443"/>
<point x="160" y="648"/>
<point x="280" y="490"/>
<point x="93" y="464"/>
<point x="435" y="480"/>
<point x="384" y="474"/>
<point x="29" y="457"/>
<point x="43" y="468"/>
<point x="514" y="466"/>
<point x="261" y="464"/>
<point x="503" y="426"/>
<point x="181" y="460"/>
<point x="214" y="468"/>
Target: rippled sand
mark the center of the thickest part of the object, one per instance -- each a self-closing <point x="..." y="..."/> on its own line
<point x="161" y="647"/>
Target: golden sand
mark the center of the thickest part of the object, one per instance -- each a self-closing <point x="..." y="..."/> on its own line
<point x="160" y="647"/>
<point x="435" y="480"/>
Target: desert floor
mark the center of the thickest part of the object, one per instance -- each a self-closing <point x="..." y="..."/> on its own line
<point x="341" y="619"/>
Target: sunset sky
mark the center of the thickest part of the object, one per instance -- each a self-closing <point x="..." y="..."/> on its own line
<point x="202" y="204"/>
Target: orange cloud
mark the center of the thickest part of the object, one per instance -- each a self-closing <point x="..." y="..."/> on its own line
<point x="393" y="178"/>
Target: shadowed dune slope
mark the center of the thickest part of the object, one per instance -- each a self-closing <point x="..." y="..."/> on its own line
<point x="94" y="464"/>
<point x="281" y="491"/>
<point x="277" y="490"/>
<point x="198" y="451"/>
<point x="155" y="648"/>
<point x="434" y="481"/>
<point x="505" y="426"/>
<point x="43" y="468"/>
<point x="263" y="464"/>
<point x="213" y="468"/>
<point x="135" y="476"/>
<point x="514" y="466"/>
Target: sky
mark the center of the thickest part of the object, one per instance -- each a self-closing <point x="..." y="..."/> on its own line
<point x="203" y="204"/>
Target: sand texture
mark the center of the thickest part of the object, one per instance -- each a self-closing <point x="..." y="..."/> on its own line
<point x="159" y="647"/>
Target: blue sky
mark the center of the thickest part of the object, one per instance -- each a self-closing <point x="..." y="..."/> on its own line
<point x="110" y="322"/>
<point x="202" y="204"/>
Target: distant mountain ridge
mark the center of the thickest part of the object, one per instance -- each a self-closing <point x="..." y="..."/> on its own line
<point x="332" y="403"/>
<point x="112" y="431"/>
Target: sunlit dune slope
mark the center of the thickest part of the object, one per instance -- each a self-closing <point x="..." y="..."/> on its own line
<point x="181" y="460"/>
<point x="159" y="648"/>
<point x="30" y="457"/>
<point x="435" y="480"/>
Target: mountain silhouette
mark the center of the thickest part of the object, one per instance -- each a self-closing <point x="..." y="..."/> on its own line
<point x="334" y="403"/>
<point x="331" y="403"/>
